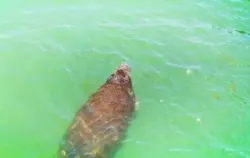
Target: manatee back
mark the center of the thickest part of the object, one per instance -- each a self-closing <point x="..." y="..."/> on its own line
<point x="102" y="122"/>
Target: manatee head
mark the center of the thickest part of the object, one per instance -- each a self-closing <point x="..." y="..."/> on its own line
<point x="121" y="75"/>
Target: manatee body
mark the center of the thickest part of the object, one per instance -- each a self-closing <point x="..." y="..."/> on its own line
<point x="102" y="122"/>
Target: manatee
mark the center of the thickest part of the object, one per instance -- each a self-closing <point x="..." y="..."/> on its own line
<point x="101" y="123"/>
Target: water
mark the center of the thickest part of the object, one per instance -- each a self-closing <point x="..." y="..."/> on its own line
<point x="190" y="67"/>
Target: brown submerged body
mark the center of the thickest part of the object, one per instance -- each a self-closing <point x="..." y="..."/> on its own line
<point x="101" y="123"/>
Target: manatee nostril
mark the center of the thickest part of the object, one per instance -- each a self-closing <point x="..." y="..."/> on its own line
<point x="125" y="67"/>
<point x="121" y="73"/>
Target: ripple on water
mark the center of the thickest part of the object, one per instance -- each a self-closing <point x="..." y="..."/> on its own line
<point x="166" y="46"/>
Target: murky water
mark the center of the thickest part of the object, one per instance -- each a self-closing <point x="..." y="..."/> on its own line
<point x="190" y="65"/>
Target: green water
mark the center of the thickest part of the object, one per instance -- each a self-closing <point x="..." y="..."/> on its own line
<point x="190" y="66"/>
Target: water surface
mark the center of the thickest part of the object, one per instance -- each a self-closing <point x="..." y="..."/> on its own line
<point x="190" y="67"/>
